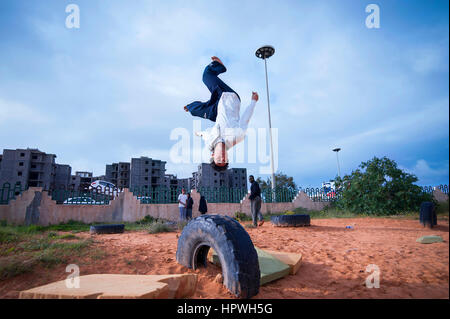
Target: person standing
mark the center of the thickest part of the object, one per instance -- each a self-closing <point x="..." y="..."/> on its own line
<point x="182" y="198"/>
<point x="202" y="206"/>
<point x="189" y="204"/>
<point x="255" y="202"/>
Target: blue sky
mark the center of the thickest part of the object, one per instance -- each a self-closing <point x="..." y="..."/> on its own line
<point x="114" y="88"/>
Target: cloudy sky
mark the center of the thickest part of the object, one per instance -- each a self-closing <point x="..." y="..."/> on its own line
<point x="115" y="88"/>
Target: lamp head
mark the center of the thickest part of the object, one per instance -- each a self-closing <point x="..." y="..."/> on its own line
<point x="265" y="52"/>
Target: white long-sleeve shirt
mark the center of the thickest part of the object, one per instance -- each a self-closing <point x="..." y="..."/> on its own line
<point x="230" y="127"/>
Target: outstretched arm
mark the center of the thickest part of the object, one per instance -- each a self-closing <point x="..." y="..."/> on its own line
<point x="245" y="118"/>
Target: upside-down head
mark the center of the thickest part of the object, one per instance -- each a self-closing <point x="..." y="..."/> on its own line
<point x="219" y="157"/>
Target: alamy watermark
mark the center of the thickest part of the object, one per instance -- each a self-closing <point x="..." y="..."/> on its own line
<point x="373" y="280"/>
<point x="254" y="149"/>
<point x="73" y="280"/>
<point x="373" y="19"/>
<point x="73" y="19"/>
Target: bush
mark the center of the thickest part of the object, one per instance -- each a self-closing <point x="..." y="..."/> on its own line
<point x="146" y="220"/>
<point x="181" y="225"/>
<point x="241" y="217"/>
<point x="379" y="187"/>
<point x="442" y="208"/>
<point x="15" y="267"/>
<point x="9" y="236"/>
<point x="159" y="227"/>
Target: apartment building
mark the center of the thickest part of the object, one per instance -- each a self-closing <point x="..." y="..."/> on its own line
<point x="147" y="173"/>
<point x="32" y="167"/>
<point x="206" y="176"/>
<point x="119" y="174"/>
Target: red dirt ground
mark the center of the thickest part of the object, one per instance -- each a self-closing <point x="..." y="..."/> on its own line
<point x="334" y="260"/>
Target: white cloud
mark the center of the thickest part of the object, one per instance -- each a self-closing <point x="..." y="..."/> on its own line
<point x="12" y="112"/>
<point x="116" y="86"/>
<point x="427" y="175"/>
<point x="428" y="58"/>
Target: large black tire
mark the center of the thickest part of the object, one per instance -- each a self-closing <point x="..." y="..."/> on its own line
<point x="291" y="220"/>
<point x="107" y="229"/>
<point x="237" y="255"/>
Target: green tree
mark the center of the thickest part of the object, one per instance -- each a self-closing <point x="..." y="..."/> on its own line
<point x="285" y="188"/>
<point x="379" y="187"/>
<point x="281" y="181"/>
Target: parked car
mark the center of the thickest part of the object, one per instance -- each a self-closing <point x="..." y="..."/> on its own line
<point x="145" y="199"/>
<point x="105" y="186"/>
<point x="82" y="201"/>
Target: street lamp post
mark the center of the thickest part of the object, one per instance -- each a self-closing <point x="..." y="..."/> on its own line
<point x="337" y="158"/>
<point x="264" y="53"/>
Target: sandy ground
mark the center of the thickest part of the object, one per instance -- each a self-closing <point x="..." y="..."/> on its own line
<point x="334" y="260"/>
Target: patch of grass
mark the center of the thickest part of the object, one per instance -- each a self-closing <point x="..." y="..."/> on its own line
<point x="146" y="220"/>
<point x="181" y="225"/>
<point x="36" y="229"/>
<point x="58" y="252"/>
<point x="72" y="247"/>
<point x="159" y="227"/>
<point x="68" y="236"/>
<point x="7" y="250"/>
<point x="50" y="257"/>
<point x="249" y="226"/>
<point x="141" y="224"/>
<point x="14" y="267"/>
<point x="52" y="235"/>
<point x="442" y="208"/>
<point x="9" y="235"/>
<point x="71" y="225"/>
<point x="24" y="247"/>
<point x="34" y="244"/>
<point x="242" y="217"/>
<point x="97" y="254"/>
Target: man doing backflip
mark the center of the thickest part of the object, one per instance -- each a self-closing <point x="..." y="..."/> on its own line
<point x="223" y="108"/>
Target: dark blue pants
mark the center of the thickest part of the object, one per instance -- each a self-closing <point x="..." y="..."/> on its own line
<point x="216" y="86"/>
<point x="188" y="213"/>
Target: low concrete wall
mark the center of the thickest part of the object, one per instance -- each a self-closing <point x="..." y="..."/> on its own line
<point x="35" y="206"/>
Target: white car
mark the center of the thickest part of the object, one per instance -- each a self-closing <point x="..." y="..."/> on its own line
<point x="104" y="185"/>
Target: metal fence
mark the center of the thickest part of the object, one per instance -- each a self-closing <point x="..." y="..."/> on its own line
<point x="320" y="195"/>
<point x="288" y="194"/>
<point x="278" y="195"/>
<point x="157" y="195"/>
<point x="8" y="192"/>
<point x="429" y="189"/>
<point x="169" y="195"/>
<point x="223" y="194"/>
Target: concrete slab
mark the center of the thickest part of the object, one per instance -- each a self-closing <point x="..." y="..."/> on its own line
<point x="293" y="260"/>
<point x="429" y="239"/>
<point x="115" y="286"/>
<point x="270" y="267"/>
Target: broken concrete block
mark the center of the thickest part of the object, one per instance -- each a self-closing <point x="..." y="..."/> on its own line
<point x="107" y="286"/>
<point x="429" y="239"/>
<point x="293" y="260"/>
<point x="270" y="267"/>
